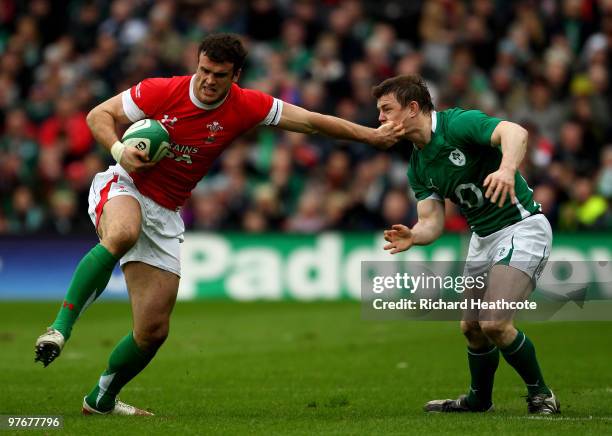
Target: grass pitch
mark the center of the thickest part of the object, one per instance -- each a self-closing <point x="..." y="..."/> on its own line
<point x="291" y="368"/>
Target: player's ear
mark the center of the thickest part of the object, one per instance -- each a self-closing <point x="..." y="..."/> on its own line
<point x="236" y="75"/>
<point x="413" y="108"/>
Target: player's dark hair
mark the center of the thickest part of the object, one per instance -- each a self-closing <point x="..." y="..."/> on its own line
<point x="405" y="89"/>
<point x="224" y="47"/>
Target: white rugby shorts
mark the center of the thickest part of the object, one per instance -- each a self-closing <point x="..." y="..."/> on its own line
<point x="524" y="245"/>
<point x="161" y="229"/>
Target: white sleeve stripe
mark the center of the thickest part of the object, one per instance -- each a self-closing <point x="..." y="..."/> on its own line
<point x="434" y="196"/>
<point x="275" y="113"/>
<point x="131" y="109"/>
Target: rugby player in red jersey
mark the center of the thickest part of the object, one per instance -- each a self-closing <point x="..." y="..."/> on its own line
<point x="134" y="205"/>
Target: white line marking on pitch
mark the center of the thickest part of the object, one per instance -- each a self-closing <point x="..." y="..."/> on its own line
<point x="560" y="418"/>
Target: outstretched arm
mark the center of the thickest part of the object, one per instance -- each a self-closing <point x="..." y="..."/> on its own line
<point x="513" y="140"/>
<point x="297" y="119"/>
<point x="428" y="228"/>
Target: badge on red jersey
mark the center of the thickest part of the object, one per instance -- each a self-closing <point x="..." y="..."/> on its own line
<point x="213" y="129"/>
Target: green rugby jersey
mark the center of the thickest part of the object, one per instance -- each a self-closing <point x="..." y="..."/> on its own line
<point x="455" y="163"/>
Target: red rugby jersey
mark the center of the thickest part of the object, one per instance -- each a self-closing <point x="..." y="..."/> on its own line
<point x="198" y="132"/>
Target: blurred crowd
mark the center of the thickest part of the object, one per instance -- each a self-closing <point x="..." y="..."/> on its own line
<point x="544" y="64"/>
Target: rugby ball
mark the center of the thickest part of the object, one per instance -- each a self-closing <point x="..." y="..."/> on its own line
<point x="149" y="136"/>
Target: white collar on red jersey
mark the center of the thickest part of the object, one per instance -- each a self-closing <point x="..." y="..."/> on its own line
<point x="434" y="121"/>
<point x="198" y="103"/>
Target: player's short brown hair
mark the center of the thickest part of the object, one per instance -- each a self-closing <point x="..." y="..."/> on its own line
<point x="405" y="89"/>
<point x="224" y="47"/>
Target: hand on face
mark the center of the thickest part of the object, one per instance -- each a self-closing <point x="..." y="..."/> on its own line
<point x="388" y="134"/>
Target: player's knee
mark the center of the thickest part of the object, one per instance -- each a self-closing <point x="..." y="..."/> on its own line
<point x="495" y="329"/>
<point x="469" y="328"/>
<point x="152" y="336"/>
<point x="474" y="335"/>
<point x="120" y="239"/>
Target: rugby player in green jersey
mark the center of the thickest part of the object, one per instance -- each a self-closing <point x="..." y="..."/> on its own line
<point x="472" y="159"/>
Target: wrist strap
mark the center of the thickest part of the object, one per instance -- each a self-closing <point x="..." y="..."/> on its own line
<point x="117" y="151"/>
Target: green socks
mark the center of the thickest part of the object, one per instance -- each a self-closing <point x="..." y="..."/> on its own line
<point x="125" y="362"/>
<point x="483" y="364"/>
<point x="520" y="354"/>
<point x="88" y="282"/>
